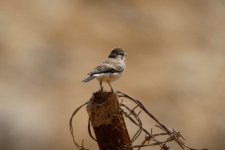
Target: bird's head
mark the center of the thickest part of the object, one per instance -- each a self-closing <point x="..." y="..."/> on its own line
<point x="117" y="53"/>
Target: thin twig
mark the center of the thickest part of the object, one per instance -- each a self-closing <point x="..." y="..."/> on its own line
<point x="173" y="135"/>
<point x="80" y="147"/>
<point x="134" y="116"/>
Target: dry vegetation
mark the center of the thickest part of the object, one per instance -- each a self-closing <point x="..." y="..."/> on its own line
<point x="176" y="62"/>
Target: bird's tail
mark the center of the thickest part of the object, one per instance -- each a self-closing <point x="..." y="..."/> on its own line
<point x="89" y="78"/>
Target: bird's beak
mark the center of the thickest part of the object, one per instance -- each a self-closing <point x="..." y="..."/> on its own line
<point x="125" y="54"/>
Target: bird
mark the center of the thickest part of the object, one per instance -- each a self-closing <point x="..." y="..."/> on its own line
<point x="109" y="69"/>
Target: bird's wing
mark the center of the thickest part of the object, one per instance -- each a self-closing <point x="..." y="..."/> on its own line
<point x="115" y="64"/>
<point x="103" y="69"/>
<point x="108" y="66"/>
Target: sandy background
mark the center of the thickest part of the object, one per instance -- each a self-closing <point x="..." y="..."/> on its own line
<point x="175" y="65"/>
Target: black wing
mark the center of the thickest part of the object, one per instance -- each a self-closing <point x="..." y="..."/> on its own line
<point x="106" y="69"/>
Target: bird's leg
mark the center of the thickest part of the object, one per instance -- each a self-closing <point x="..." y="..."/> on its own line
<point x="101" y="86"/>
<point x="110" y="87"/>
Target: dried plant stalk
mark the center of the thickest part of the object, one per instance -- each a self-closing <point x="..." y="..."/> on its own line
<point x="108" y="122"/>
<point x="106" y="117"/>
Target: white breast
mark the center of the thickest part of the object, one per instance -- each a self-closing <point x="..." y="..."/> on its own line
<point x="108" y="77"/>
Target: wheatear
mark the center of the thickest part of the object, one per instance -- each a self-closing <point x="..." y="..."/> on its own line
<point x="110" y="69"/>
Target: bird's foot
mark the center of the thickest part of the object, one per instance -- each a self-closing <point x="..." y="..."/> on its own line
<point x="110" y="87"/>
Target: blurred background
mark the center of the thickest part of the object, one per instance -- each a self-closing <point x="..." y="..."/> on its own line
<point x="175" y="66"/>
